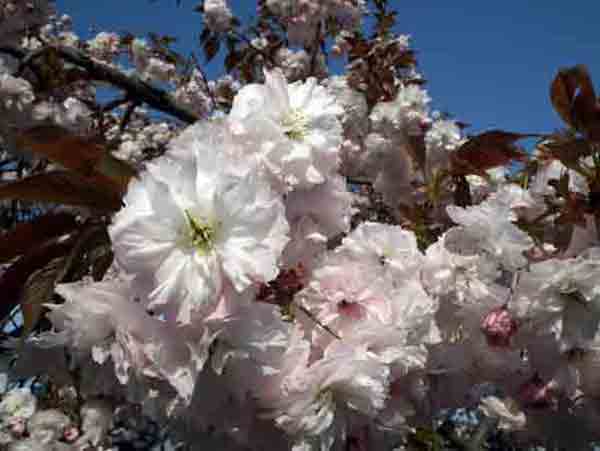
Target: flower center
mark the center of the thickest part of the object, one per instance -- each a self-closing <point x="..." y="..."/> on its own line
<point x="295" y="124"/>
<point x="201" y="233"/>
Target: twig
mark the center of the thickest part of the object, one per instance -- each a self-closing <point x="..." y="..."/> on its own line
<point x="115" y="104"/>
<point x="132" y="85"/>
<point x="127" y="115"/>
<point x="268" y="57"/>
<point x="204" y="80"/>
<point x="317" y="322"/>
<point x="135" y="87"/>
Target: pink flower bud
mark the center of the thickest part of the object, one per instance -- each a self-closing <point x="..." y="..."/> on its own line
<point x="498" y="327"/>
<point x="71" y="434"/>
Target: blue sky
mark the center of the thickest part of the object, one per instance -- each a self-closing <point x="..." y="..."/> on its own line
<point x="488" y="63"/>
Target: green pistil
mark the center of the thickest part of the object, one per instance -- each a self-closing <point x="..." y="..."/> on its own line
<point x="202" y="234"/>
<point x="295" y="125"/>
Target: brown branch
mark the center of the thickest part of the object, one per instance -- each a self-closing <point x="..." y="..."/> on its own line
<point x="115" y="104"/>
<point x="135" y="87"/>
<point x="132" y="85"/>
<point x="127" y="115"/>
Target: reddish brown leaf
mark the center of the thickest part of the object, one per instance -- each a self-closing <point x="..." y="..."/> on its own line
<point x="562" y="94"/>
<point x="28" y="235"/>
<point x="38" y="290"/>
<point x="586" y="110"/>
<point x="572" y="212"/>
<point x="568" y="150"/>
<point x="211" y="47"/>
<point x="85" y="156"/>
<point x="61" y="146"/>
<point x="574" y="98"/>
<point x="486" y="151"/>
<point x="14" y="278"/>
<point x="116" y="174"/>
<point x="462" y="191"/>
<point x="63" y="187"/>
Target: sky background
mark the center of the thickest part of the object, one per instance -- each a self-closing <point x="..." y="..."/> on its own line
<point x="490" y="64"/>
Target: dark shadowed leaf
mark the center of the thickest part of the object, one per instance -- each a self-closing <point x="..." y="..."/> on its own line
<point x="87" y="157"/>
<point x="231" y="60"/>
<point x="38" y="290"/>
<point x="101" y="261"/>
<point x="15" y="277"/>
<point x="487" y="150"/>
<point x="462" y="191"/>
<point x="574" y="98"/>
<point x="569" y="150"/>
<point x="30" y="234"/>
<point x="118" y="171"/>
<point x="211" y="47"/>
<point x="562" y="94"/>
<point x="573" y="211"/>
<point x="586" y="110"/>
<point x="92" y="245"/>
<point x="63" y="187"/>
<point x="60" y="146"/>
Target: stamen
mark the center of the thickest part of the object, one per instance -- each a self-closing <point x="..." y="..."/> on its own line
<point x="201" y="233"/>
<point x="295" y="125"/>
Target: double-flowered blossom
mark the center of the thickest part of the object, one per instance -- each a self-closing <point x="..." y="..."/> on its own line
<point x="491" y="225"/>
<point x="197" y="218"/>
<point x="121" y="329"/>
<point x="296" y="125"/>
<point x="561" y="295"/>
<point x="317" y="401"/>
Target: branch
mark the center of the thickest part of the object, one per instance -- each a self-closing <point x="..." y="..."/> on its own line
<point x="135" y="88"/>
<point x="127" y="115"/>
<point x="132" y="85"/>
<point x="14" y="52"/>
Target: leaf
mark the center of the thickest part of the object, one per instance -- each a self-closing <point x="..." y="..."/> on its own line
<point x="117" y="170"/>
<point x="211" y="47"/>
<point x="586" y="110"/>
<point x="17" y="274"/>
<point x="573" y="211"/>
<point x="92" y="244"/>
<point x="37" y="291"/>
<point x="562" y="94"/>
<point x="102" y="262"/>
<point x="62" y="187"/>
<point x="231" y="60"/>
<point x="60" y="146"/>
<point x="574" y="99"/>
<point x="568" y="150"/>
<point x="462" y="191"/>
<point x="487" y="150"/>
<point x="87" y="157"/>
<point x="30" y="234"/>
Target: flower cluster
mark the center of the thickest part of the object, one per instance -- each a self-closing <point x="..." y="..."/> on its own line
<point x="313" y="263"/>
<point x="303" y="17"/>
<point x="224" y="278"/>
